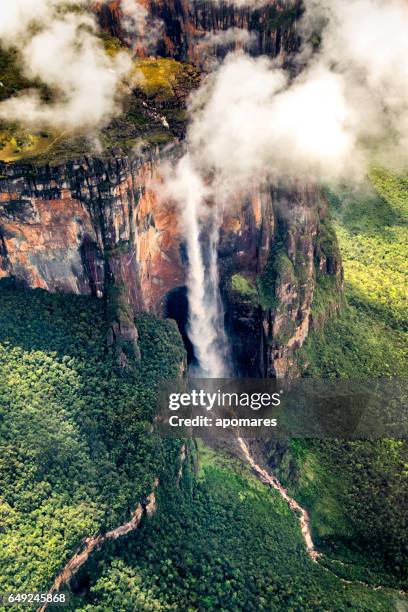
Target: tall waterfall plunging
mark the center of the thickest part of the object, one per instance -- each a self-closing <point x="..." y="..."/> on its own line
<point x="206" y="317"/>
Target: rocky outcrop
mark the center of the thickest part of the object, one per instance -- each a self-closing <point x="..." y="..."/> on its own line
<point x="273" y="259"/>
<point x="186" y="24"/>
<point x="97" y="227"/>
<point x="304" y="251"/>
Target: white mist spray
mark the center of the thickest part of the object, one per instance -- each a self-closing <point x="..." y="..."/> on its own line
<point x="206" y="318"/>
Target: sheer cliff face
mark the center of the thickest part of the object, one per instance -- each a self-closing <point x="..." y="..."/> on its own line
<point x="82" y="227"/>
<point x="273" y="27"/>
<point x="274" y="254"/>
<point x="97" y="228"/>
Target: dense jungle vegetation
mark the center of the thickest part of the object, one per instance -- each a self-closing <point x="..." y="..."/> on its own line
<point x="222" y="541"/>
<point x="76" y="449"/>
<point x="357" y="492"/>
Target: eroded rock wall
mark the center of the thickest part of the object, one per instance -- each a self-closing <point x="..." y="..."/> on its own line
<point x="97" y="227"/>
<point x="273" y="27"/>
<point x="82" y="226"/>
<point x="275" y="255"/>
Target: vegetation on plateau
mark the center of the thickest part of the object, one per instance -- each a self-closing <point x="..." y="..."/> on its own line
<point x="156" y="88"/>
<point x="165" y="79"/>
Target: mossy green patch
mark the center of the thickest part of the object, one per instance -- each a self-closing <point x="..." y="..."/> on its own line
<point x="244" y="289"/>
<point x="278" y="271"/>
<point x="18" y="144"/>
<point x="164" y="79"/>
<point x="111" y="44"/>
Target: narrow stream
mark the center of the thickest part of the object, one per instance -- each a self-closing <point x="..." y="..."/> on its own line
<point x="96" y="542"/>
<point x="273" y="482"/>
<point x="303" y="516"/>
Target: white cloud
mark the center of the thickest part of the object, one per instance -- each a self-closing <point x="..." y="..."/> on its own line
<point x="366" y="42"/>
<point x="61" y="49"/>
<point x="348" y="106"/>
<point x="141" y="30"/>
<point x="232" y="36"/>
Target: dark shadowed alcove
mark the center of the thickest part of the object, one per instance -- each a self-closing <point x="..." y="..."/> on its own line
<point x="176" y="307"/>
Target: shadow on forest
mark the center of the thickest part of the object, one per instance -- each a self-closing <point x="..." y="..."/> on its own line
<point x="35" y="319"/>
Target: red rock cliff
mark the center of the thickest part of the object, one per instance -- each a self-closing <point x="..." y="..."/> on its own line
<point x="185" y="23"/>
<point x="82" y="225"/>
<point x="97" y="227"/>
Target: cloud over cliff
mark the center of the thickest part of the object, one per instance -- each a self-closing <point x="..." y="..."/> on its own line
<point x="346" y="107"/>
<point x="60" y="47"/>
<point x="231" y="36"/>
<point x="141" y="29"/>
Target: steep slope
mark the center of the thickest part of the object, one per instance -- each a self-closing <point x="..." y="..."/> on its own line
<point x="187" y="26"/>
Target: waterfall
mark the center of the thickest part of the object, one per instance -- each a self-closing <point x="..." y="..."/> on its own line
<point x="201" y="224"/>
